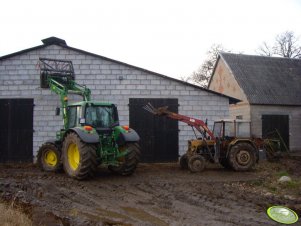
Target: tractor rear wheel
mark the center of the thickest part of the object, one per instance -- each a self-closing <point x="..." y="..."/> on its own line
<point x="79" y="158"/>
<point x="196" y="163"/>
<point x="129" y="162"/>
<point x="184" y="161"/>
<point x="49" y="158"/>
<point x="242" y="157"/>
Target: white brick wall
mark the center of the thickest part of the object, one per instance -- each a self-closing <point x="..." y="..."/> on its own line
<point x="19" y="78"/>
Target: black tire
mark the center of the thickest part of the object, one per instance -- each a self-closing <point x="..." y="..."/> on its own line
<point x="242" y="157"/>
<point x="49" y="158"/>
<point x="129" y="162"/>
<point x="196" y="163"/>
<point x="79" y="158"/>
<point x="184" y="162"/>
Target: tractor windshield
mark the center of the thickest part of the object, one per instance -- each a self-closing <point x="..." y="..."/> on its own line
<point x="100" y="116"/>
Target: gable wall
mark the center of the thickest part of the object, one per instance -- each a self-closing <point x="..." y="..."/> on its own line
<point x="19" y="78"/>
<point x="224" y="82"/>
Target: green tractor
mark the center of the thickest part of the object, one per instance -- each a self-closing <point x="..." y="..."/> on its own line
<point x="91" y="135"/>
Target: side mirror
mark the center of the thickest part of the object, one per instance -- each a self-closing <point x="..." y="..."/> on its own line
<point x="57" y="111"/>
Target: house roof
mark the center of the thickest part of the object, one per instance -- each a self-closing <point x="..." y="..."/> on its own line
<point x="60" y="42"/>
<point x="267" y="80"/>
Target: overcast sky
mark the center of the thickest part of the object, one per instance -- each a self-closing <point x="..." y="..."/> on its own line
<point x="170" y="37"/>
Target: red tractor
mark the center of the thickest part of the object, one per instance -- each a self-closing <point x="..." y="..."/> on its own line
<point x="229" y="144"/>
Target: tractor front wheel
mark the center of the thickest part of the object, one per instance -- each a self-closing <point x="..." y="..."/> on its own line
<point x="196" y="163"/>
<point x="242" y="157"/>
<point x="79" y="158"/>
<point x="49" y="158"/>
<point x="128" y="163"/>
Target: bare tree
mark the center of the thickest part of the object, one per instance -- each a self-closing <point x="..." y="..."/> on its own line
<point x="265" y="50"/>
<point x="286" y="45"/>
<point x="202" y="75"/>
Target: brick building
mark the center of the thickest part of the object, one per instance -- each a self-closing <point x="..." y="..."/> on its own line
<point x="28" y="111"/>
<point x="269" y="88"/>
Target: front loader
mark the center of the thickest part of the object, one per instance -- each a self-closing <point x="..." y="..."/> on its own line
<point x="91" y="135"/>
<point x="228" y="144"/>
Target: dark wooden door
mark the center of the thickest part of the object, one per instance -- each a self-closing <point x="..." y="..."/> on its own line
<point x="271" y="123"/>
<point x="159" y="136"/>
<point x="16" y="132"/>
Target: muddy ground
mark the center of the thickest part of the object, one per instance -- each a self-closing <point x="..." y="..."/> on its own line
<point x="156" y="194"/>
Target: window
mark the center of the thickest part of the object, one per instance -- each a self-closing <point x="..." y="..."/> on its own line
<point x="229" y="129"/>
<point x="218" y="129"/>
<point x="72" y="116"/>
<point x="243" y="129"/>
<point x="100" y="116"/>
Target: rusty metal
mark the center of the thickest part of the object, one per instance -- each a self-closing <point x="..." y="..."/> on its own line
<point x="156" y="111"/>
<point x="198" y="124"/>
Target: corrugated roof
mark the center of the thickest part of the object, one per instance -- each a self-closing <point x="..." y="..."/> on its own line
<point x="267" y="80"/>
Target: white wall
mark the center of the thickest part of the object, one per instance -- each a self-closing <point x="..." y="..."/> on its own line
<point x="19" y="78"/>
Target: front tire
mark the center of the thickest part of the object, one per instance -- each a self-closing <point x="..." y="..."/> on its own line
<point x="196" y="163"/>
<point x="79" y="158"/>
<point x="128" y="163"/>
<point x="49" y="158"/>
<point x="242" y="157"/>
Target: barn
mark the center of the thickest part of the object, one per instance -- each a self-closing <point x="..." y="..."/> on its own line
<point x="269" y="88"/>
<point x="28" y="115"/>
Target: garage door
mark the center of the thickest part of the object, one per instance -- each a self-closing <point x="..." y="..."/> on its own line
<point x="159" y="135"/>
<point x="16" y="131"/>
<point x="271" y="123"/>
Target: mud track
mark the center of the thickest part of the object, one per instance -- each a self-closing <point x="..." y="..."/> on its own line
<point x="157" y="194"/>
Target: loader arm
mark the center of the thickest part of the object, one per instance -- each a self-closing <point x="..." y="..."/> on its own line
<point x="59" y="76"/>
<point x="198" y="124"/>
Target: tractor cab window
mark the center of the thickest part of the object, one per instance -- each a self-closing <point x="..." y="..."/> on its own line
<point x="224" y="129"/>
<point x="73" y="113"/>
<point x="218" y="129"/>
<point x="100" y="116"/>
<point x="229" y="129"/>
<point x="243" y="129"/>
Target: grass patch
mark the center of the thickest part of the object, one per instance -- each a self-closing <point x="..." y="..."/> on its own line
<point x="13" y="217"/>
<point x="282" y="173"/>
<point x="292" y="185"/>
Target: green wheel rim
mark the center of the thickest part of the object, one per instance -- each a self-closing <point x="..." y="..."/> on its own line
<point x="282" y="214"/>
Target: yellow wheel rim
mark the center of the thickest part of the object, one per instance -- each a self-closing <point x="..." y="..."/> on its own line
<point x="73" y="156"/>
<point x="50" y="158"/>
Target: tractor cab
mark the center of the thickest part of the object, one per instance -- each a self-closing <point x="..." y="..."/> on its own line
<point x="229" y="129"/>
<point x="101" y="116"/>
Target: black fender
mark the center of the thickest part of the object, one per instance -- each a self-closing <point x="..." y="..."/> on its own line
<point x="90" y="138"/>
<point x="130" y="136"/>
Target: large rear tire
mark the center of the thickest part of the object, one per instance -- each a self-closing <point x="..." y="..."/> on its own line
<point x="49" y="158"/>
<point x="79" y="158"/>
<point x="242" y="157"/>
<point x="128" y="163"/>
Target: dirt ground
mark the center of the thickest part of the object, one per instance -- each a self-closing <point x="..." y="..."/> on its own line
<point x="156" y="194"/>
